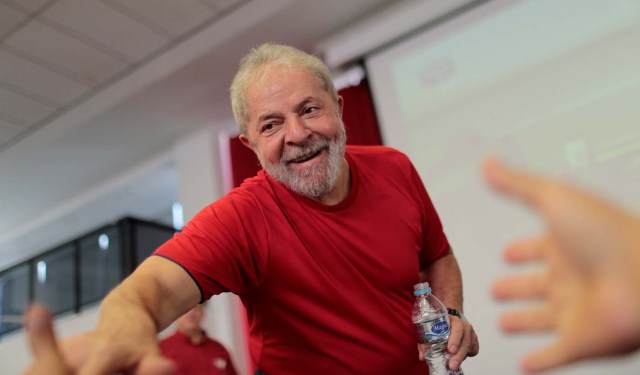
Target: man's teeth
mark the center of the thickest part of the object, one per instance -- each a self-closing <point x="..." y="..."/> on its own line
<point x="305" y="158"/>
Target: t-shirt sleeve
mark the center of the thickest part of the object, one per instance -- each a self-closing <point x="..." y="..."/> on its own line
<point x="214" y="248"/>
<point x="435" y="242"/>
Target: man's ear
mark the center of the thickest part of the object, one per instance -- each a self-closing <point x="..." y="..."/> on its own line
<point x="245" y="141"/>
<point x="340" y="105"/>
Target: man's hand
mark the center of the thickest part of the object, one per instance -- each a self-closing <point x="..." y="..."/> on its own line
<point x="125" y="338"/>
<point x="463" y="343"/>
<point x="588" y="289"/>
<point x="81" y="354"/>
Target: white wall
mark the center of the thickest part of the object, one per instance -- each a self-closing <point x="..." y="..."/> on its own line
<point x="547" y="85"/>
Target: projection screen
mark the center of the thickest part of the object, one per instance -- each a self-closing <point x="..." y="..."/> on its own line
<point x="551" y="86"/>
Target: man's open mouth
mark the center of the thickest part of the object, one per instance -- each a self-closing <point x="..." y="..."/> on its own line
<point x="303" y="158"/>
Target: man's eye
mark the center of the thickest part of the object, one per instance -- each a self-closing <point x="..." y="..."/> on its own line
<point x="308" y="110"/>
<point x="266" y="127"/>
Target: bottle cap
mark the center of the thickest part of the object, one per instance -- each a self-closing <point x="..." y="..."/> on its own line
<point x="421" y="288"/>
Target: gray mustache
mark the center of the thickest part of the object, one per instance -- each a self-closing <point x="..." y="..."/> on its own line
<point x="305" y="150"/>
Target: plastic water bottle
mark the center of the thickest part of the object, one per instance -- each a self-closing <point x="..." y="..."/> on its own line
<point x="431" y="320"/>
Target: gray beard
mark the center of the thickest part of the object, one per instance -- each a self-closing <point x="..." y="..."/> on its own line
<point x="314" y="182"/>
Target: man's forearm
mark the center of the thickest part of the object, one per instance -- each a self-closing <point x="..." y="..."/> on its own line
<point x="149" y="300"/>
<point x="445" y="280"/>
<point x="125" y="312"/>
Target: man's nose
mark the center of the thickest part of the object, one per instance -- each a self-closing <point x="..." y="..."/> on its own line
<point x="296" y="131"/>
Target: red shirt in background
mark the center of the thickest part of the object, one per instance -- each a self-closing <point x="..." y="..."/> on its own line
<point x="208" y="357"/>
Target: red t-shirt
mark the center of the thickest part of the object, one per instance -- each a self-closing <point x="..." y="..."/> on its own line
<point x="208" y="357"/>
<point x="328" y="289"/>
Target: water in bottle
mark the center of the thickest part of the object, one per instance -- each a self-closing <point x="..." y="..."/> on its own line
<point x="432" y="323"/>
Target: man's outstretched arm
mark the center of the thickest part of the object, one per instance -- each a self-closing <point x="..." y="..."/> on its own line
<point x="130" y="317"/>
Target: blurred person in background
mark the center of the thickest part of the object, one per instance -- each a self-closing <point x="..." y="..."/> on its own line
<point x="192" y="351"/>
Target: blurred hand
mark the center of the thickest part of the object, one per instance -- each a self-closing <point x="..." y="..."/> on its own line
<point x="588" y="290"/>
<point x="83" y="354"/>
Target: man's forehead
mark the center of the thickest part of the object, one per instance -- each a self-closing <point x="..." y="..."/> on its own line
<point x="275" y="74"/>
<point x="267" y="94"/>
<point x="294" y="105"/>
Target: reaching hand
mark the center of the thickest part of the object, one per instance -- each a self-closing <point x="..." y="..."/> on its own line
<point x="589" y="288"/>
<point x="81" y="354"/>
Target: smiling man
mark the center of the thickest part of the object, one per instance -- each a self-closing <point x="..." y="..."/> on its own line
<point x="294" y="127"/>
<point x="323" y="246"/>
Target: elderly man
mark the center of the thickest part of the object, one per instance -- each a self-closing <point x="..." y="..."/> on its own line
<point x="323" y="246"/>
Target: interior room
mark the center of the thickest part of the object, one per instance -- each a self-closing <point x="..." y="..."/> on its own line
<point x="114" y="109"/>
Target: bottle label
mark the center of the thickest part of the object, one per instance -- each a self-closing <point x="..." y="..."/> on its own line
<point x="433" y="330"/>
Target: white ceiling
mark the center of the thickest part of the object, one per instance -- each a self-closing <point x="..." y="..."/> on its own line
<point x="94" y="93"/>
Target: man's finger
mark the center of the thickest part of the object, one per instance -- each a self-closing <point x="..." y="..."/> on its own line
<point x="530" y="320"/>
<point x="461" y="352"/>
<point x="421" y="350"/>
<point x="42" y="340"/>
<point x="156" y="365"/>
<point x="546" y="358"/>
<point x="40" y="330"/>
<point x="526" y="250"/>
<point x="534" y="285"/>
<point x="523" y="186"/>
<point x="475" y="345"/>
<point x="456" y="334"/>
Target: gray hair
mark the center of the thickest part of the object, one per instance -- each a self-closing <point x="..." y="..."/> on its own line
<point x="251" y="70"/>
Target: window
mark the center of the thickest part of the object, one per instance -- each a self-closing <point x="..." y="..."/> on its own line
<point x="14" y="297"/>
<point x="78" y="273"/>
<point x="149" y="237"/>
<point x="54" y="282"/>
<point x="100" y="256"/>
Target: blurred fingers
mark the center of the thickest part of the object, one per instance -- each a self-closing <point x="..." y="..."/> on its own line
<point x="533" y="285"/>
<point x="156" y="365"/>
<point x="42" y="341"/>
<point x="538" y="319"/>
<point x="40" y="330"/>
<point x="547" y="358"/>
<point x="527" y="250"/>
<point x="524" y="186"/>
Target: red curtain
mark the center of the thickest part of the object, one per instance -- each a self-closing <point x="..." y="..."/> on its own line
<point x="359" y="115"/>
<point x="244" y="163"/>
<point x="360" y="123"/>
